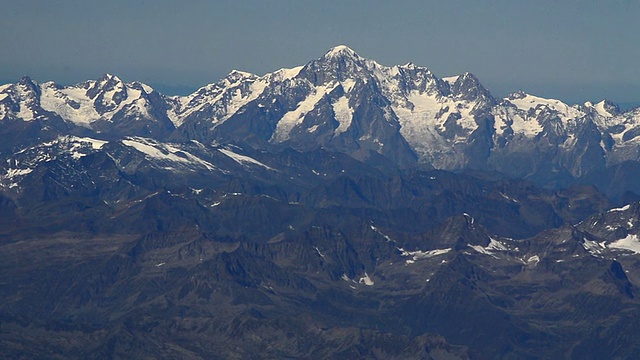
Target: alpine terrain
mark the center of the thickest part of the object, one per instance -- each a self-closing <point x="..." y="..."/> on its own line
<point x="339" y="209"/>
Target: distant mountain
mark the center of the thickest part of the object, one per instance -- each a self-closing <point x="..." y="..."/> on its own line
<point x="339" y="209"/>
<point x="343" y="102"/>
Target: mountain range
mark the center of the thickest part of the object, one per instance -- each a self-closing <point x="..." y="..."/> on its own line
<point x="343" y="102"/>
<point x="339" y="209"/>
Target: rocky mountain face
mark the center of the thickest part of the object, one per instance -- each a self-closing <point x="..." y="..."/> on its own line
<point x="340" y="209"/>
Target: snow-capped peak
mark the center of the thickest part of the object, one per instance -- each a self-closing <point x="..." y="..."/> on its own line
<point x="467" y="87"/>
<point x="408" y="65"/>
<point x="221" y="99"/>
<point x="94" y="100"/>
<point x="338" y="64"/>
<point x="110" y="77"/>
<point x="239" y="74"/>
<point x="25" y="80"/>
<point x="604" y="108"/>
<point x="141" y="86"/>
<point x="341" y="50"/>
<point x="234" y="78"/>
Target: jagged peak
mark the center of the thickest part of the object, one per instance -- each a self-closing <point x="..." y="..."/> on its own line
<point x="606" y="102"/>
<point x="107" y="82"/>
<point x="463" y="230"/>
<point x="141" y="86"/>
<point x="517" y="95"/>
<point x="237" y="75"/>
<point x="468" y="87"/>
<point x="26" y="80"/>
<point x="109" y="77"/>
<point x="29" y="85"/>
<point x="468" y="78"/>
<point x="413" y="67"/>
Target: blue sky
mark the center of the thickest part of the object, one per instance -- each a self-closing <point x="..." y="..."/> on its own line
<point x="574" y="50"/>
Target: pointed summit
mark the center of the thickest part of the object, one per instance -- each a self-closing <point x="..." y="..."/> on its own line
<point x="236" y="76"/>
<point x="29" y="85"/>
<point x="105" y="83"/>
<point x="107" y="77"/>
<point x="26" y="80"/>
<point x="240" y="73"/>
<point x="467" y="87"/>
<point x="341" y="51"/>
<point x="338" y="64"/>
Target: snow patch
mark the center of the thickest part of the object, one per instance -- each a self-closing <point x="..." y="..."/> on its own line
<point x="496" y="246"/>
<point x="25" y="112"/>
<point x="601" y="109"/>
<point x="285" y="74"/>
<point x="419" y="254"/>
<point x="78" y="143"/>
<point x="593" y="247"/>
<point x="147" y="89"/>
<point x="166" y="152"/>
<point x="95" y="143"/>
<point x="295" y="117"/>
<point x="11" y="173"/>
<point x="534" y="260"/>
<point x="508" y="198"/>
<point x="493" y="247"/>
<point x="506" y="117"/>
<point x="9" y="178"/>
<point x="347" y="85"/>
<point x="383" y="235"/>
<point x="528" y="101"/>
<point x="366" y="280"/>
<point x="242" y="159"/>
<point x="451" y="79"/>
<point x="624" y="208"/>
<point x="318" y="251"/>
<point x="343" y="114"/>
<point x="630" y="243"/>
<point x="422" y="117"/>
